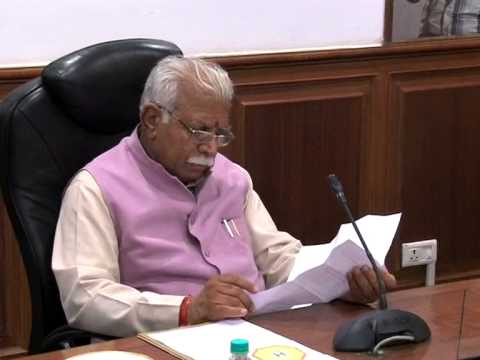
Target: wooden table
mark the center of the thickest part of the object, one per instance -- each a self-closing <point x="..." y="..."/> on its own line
<point x="451" y="310"/>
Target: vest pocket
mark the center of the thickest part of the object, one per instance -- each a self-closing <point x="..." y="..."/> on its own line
<point x="235" y="228"/>
<point x="230" y="227"/>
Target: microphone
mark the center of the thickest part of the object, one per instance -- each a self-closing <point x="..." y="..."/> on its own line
<point x="337" y="188"/>
<point x="371" y="331"/>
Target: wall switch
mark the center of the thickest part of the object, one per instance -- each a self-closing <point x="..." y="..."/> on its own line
<point x="419" y="253"/>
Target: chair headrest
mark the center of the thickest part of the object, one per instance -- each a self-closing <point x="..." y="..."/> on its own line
<point x="100" y="86"/>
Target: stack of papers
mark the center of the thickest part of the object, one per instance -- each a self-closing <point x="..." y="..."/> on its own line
<point x="319" y="273"/>
<point x="117" y="355"/>
<point x="211" y="341"/>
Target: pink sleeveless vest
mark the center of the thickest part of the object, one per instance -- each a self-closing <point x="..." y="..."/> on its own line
<point x="171" y="242"/>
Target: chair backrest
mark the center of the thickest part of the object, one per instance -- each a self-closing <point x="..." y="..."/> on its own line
<point x="80" y="106"/>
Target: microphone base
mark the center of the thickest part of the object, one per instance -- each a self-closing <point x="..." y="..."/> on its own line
<point x="368" y="330"/>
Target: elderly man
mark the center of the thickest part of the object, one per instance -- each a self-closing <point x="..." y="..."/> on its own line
<point x="162" y="231"/>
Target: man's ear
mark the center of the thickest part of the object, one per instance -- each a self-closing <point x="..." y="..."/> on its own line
<point x="150" y="118"/>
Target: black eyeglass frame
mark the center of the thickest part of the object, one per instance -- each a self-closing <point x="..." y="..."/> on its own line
<point x="203" y="136"/>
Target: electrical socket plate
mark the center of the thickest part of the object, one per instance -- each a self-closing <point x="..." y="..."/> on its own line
<point x="419" y="253"/>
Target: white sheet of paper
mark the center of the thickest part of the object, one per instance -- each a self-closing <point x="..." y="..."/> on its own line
<point x="212" y="341"/>
<point x="319" y="273"/>
<point x="117" y="355"/>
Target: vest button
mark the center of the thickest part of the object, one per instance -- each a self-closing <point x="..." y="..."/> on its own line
<point x="206" y="253"/>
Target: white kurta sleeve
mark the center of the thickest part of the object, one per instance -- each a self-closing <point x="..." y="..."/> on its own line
<point x="274" y="250"/>
<point x="85" y="264"/>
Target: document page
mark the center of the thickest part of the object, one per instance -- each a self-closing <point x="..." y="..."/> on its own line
<point x="319" y="273"/>
<point x="211" y="341"/>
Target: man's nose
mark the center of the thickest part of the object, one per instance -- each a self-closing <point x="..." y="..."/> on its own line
<point x="209" y="148"/>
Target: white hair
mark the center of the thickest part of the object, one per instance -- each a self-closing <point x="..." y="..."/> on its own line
<point x="162" y="84"/>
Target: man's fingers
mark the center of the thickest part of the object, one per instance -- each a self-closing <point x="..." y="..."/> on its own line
<point x="237" y="281"/>
<point x="215" y="306"/>
<point x="230" y="299"/>
<point x="225" y="311"/>
<point x="236" y="286"/>
<point x="234" y="294"/>
<point x="204" y="309"/>
<point x="355" y="292"/>
<point x="389" y="279"/>
<point x="363" y="284"/>
<point x="370" y="276"/>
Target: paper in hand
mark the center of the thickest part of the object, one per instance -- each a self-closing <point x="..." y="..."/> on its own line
<point x="319" y="273"/>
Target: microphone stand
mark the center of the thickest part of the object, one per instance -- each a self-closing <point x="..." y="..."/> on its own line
<point x="375" y="329"/>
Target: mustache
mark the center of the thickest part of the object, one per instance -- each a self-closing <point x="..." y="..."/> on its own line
<point x="202" y="160"/>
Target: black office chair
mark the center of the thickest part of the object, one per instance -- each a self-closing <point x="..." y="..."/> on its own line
<point x="80" y="106"/>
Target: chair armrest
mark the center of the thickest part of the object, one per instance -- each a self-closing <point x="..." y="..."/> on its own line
<point x="65" y="337"/>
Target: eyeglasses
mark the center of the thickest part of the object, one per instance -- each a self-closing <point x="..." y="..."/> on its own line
<point x="223" y="137"/>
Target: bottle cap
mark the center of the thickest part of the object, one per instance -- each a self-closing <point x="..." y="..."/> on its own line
<point x="239" y="346"/>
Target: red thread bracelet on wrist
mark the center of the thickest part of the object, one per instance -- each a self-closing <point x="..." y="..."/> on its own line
<point x="183" y="314"/>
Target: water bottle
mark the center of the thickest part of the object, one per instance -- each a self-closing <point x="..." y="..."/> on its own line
<point x="239" y="349"/>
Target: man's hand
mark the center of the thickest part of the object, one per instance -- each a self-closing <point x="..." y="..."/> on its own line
<point x="223" y="296"/>
<point x="363" y="284"/>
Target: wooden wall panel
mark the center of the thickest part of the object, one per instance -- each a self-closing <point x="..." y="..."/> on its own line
<point x="15" y="310"/>
<point x="291" y="140"/>
<point x="3" y="332"/>
<point x="439" y="156"/>
<point x="301" y="154"/>
<point x="11" y="78"/>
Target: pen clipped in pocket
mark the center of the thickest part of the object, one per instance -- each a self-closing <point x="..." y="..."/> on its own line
<point x="230" y="227"/>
